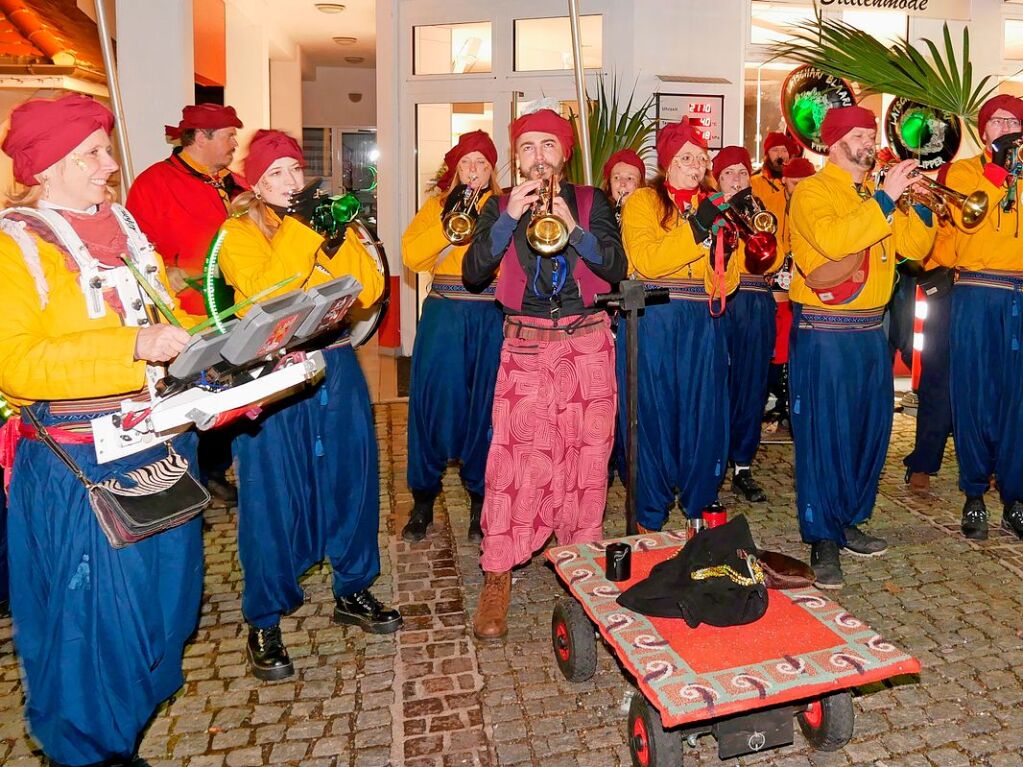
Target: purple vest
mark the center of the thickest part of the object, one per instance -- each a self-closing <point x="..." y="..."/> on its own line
<point x="511" y="282"/>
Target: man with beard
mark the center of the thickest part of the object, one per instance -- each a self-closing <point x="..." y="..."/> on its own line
<point x="554" y="402"/>
<point x="767" y="182"/>
<point x="846" y="240"/>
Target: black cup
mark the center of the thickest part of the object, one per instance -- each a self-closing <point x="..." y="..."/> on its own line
<point x="618" y="565"/>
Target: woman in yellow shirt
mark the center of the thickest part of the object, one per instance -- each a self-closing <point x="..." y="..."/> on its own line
<point x="308" y="484"/>
<point x="458" y="342"/>
<point x="668" y="229"/>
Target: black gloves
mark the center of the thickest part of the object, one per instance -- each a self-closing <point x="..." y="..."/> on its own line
<point x="743" y="199"/>
<point x="1003" y="152"/>
<point x="703" y="219"/>
<point x="304" y="202"/>
<point x="335" y="239"/>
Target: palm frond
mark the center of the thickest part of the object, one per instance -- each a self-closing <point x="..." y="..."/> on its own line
<point x="613" y="125"/>
<point x="841" y="50"/>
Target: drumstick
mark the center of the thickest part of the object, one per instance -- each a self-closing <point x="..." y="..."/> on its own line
<point x="235" y="308"/>
<point x="151" y="292"/>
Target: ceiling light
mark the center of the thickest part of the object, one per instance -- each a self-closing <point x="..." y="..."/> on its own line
<point x="345" y="40"/>
<point x="355" y="59"/>
<point x="329" y="7"/>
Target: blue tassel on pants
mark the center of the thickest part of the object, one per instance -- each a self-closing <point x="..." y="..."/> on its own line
<point x="841" y="398"/>
<point x="454" y="370"/>
<point x="749" y="328"/>
<point x="309" y="488"/>
<point x="99" y="631"/>
<point x="987" y="386"/>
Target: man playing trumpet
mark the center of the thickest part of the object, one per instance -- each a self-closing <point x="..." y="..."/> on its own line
<point x="987" y="324"/>
<point x="846" y="239"/>
<point x="458" y="341"/>
<point x="554" y="403"/>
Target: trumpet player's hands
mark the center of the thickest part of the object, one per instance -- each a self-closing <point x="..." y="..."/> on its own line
<point x="560" y="209"/>
<point x="703" y="219"/>
<point x="522" y="197"/>
<point x="898" y="179"/>
<point x="1002" y="150"/>
<point x="160" y="343"/>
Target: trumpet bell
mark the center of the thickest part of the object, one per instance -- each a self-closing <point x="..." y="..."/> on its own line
<point x="458" y="227"/>
<point x="761" y="251"/>
<point x="764" y="221"/>
<point x="975" y="208"/>
<point x="547" y="235"/>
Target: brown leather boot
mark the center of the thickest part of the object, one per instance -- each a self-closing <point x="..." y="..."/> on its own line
<point x="491" y="621"/>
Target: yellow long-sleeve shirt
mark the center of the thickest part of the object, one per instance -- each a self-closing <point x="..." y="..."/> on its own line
<point x="829" y="220"/>
<point x="58" y="352"/>
<point x="424" y="247"/>
<point x="251" y="263"/>
<point x="997" y="242"/>
<point x="659" y="253"/>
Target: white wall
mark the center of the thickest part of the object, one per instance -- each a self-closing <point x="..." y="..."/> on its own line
<point x="326" y="100"/>
<point x="286" y="95"/>
<point x="248" y="72"/>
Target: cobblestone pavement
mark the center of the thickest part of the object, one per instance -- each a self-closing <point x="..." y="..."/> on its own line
<point x="430" y="696"/>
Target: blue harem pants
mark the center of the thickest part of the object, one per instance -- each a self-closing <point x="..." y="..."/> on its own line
<point x="309" y="488"/>
<point x="750" y="330"/>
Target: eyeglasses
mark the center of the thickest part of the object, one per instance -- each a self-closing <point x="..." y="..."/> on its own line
<point x="1005" y="122"/>
<point x="691" y="159"/>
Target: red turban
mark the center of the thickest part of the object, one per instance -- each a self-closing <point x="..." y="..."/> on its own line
<point x="797" y="167"/>
<point x="795" y="148"/>
<point x="1010" y="104"/>
<point x="729" y="156"/>
<point x="474" y="141"/>
<point x="673" y="137"/>
<point x="44" y="131"/>
<point x="627" y="156"/>
<point x="266" y="147"/>
<point x="545" y="121"/>
<point x="203" y="117"/>
<point x="840" y="120"/>
<point x="773" y="139"/>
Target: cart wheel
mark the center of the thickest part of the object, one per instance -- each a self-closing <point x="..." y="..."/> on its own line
<point x="827" y="723"/>
<point x="650" y="744"/>
<point x="575" y="647"/>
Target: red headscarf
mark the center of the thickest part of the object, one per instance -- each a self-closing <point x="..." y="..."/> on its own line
<point x="545" y="121"/>
<point x="627" y="156"/>
<point x="45" y="130"/>
<point x="205" y="117"/>
<point x="773" y="139"/>
<point x="729" y="156"/>
<point x="797" y="167"/>
<point x="673" y="137"/>
<point x="1010" y="104"/>
<point x="266" y="147"/>
<point x="840" y="120"/>
<point x="474" y="141"/>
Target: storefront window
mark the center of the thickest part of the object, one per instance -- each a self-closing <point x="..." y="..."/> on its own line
<point x="438" y="127"/>
<point x="545" y="44"/>
<point x="1013" y="37"/>
<point x="451" y="49"/>
<point x="886" y="26"/>
<point x="774" y="22"/>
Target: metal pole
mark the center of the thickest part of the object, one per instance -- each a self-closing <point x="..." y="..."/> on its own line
<point x="580" y="91"/>
<point x="127" y="173"/>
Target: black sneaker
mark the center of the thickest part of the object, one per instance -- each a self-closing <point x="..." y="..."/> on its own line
<point x="1012" y="518"/>
<point x="860" y="544"/>
<point x="421" y="518"/>
<point x="364" y="610"/>
<point x="475" y="514"/>
<point x="268" y="655"/>
<point x="744" y="484"/>
<point x="138" y="761"/>
<point x="5" y="608"/>
<point x="974" y="522"/>
<point x="827" y="568"/>
<point x="221" y="489"/>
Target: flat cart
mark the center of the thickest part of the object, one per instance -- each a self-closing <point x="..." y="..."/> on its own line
<point x="742" y="684"/>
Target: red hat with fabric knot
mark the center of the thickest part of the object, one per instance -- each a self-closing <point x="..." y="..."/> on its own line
<point x="266" y="147"/>
<point x="840" y="120"/>
<point x="797" y="167"/>
<point x="729" y="156"/>
<point x="673" y="137"/>
<point x="1010" y="104"/>
<point x="203" y="117"/>
<point x="474" y="141"/>
<point x="627" y="156"/>
<point x="545" y="121"/>
<point x="44" y="131"/>
<point x="773" y="139"/>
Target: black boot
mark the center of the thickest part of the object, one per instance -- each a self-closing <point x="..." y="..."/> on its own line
<point x="267" y="654"/>
<point x="221" y="489"/>
<point x="421" y="518"/>
<point x="827" y="567"/>
<point x="1012" y="518"/>
<point x="974" y="522"/>
<point x="5" y="608"/>
<point x="475" y="513"/>
<point x="364" y="610"/>
<point x="744" y="484"/>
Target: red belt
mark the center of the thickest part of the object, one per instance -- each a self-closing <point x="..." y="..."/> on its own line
<point x="12" y="432"/>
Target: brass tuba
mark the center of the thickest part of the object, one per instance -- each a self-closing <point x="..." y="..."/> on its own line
<point x="460" y="222"/>
<point x="546" y="234"/>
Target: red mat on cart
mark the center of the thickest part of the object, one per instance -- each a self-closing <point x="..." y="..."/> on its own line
<point x="804" y="646"/>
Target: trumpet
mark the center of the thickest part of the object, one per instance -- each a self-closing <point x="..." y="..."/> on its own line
<point x="937" y="198"/>
<point x="460" y="222"/>
<point x="618" y="209"/>
<point x="757" y="228"/>
<point x="546" y="234"/>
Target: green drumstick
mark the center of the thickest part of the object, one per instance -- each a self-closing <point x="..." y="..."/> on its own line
<point x="151" y="292"/>
<point x="235" y="308"/>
